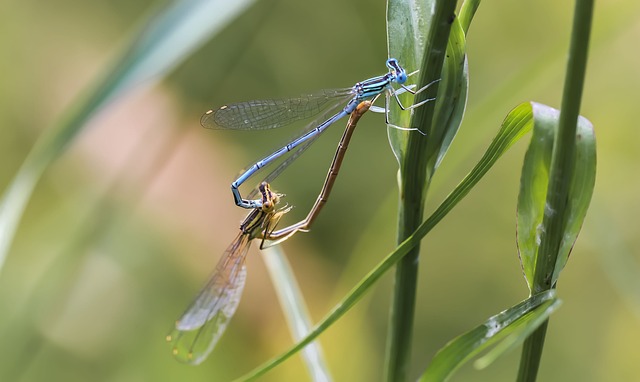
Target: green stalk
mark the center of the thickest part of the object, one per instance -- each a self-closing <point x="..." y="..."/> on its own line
<point x="415" y="178"/>
<point x="562" y="164"/>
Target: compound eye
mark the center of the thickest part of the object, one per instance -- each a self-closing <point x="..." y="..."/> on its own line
<point x="397" y="70"/>
<point x="267" y="205"/>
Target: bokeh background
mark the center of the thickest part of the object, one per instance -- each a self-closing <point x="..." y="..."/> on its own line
<point x="124" y="228"/>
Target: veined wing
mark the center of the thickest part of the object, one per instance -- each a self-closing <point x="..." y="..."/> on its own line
<point x="283" y="166"/>
<point x="295" y="153"/>
<point x="273" y="113"/>
<point x="200" y="327"/>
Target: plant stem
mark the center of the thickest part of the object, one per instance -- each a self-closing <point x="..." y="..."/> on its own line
<point x="562" y="164"/>
<point x="415" y="178"/>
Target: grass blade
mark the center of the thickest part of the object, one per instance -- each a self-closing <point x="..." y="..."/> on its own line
<point x="167" y="39"/>
<point x="516" y="322"/>
<point x="295" y="310"/>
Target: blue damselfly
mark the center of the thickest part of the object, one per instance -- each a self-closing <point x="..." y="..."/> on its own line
<point x="269" y="114"/>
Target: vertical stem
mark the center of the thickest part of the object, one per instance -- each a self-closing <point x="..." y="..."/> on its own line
<point x="415" y="178"/>
<point x="562" y="164"/>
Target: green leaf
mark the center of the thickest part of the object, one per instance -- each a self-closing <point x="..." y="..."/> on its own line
<point x="534" y="183"/>
<point x="167" y="40"/>
<point x="467" y="11"/>
<point x="516" y="322"/>
<point x="517" y="124"/>
<point x="407" y="30"/>
<point x="522" y="330"/>
<point x="450" y="100"/>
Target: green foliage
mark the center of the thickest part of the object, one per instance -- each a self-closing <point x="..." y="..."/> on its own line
<point x="49" y="299"/>
<point x="168" y="39"/>
<point x="442" y="70"/>
<point x="511" y="326"/>
<point x="534" y="183"/>
<point x="514" y="127"/>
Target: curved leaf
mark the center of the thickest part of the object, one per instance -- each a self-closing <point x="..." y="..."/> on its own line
<point x="407" y="29"/>
<point x="516" y="322"/>
<point x="467" y="11"/>
<point x="450" y="102"/>
<point x="167" y="40"/>
<point x="534" y="183"/>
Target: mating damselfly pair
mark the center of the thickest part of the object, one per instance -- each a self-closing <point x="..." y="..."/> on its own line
<point x="198" y="330"/>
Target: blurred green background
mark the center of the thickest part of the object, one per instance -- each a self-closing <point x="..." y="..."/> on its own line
<point x="126" y="226"/>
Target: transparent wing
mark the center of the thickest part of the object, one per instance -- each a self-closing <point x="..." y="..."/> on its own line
<point x="270" y="114"/>
<point x="200" y="327"/>
<point x="283" y="166"/>
<point x="295" y="153"/>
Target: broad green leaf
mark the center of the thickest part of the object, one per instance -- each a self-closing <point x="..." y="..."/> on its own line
<point x="295" y="310"/>
<point x="167" y="40"/>
<point x="516" y="322"/>
<point x="517" y="124"/>
<point x="533" y="188"/>
<point x="450" y="103"/>
<point x="407" y="29"/>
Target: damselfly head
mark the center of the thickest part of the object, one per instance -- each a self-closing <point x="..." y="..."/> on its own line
<point x="269" y="198"/>
<point x="398" y="71"/>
